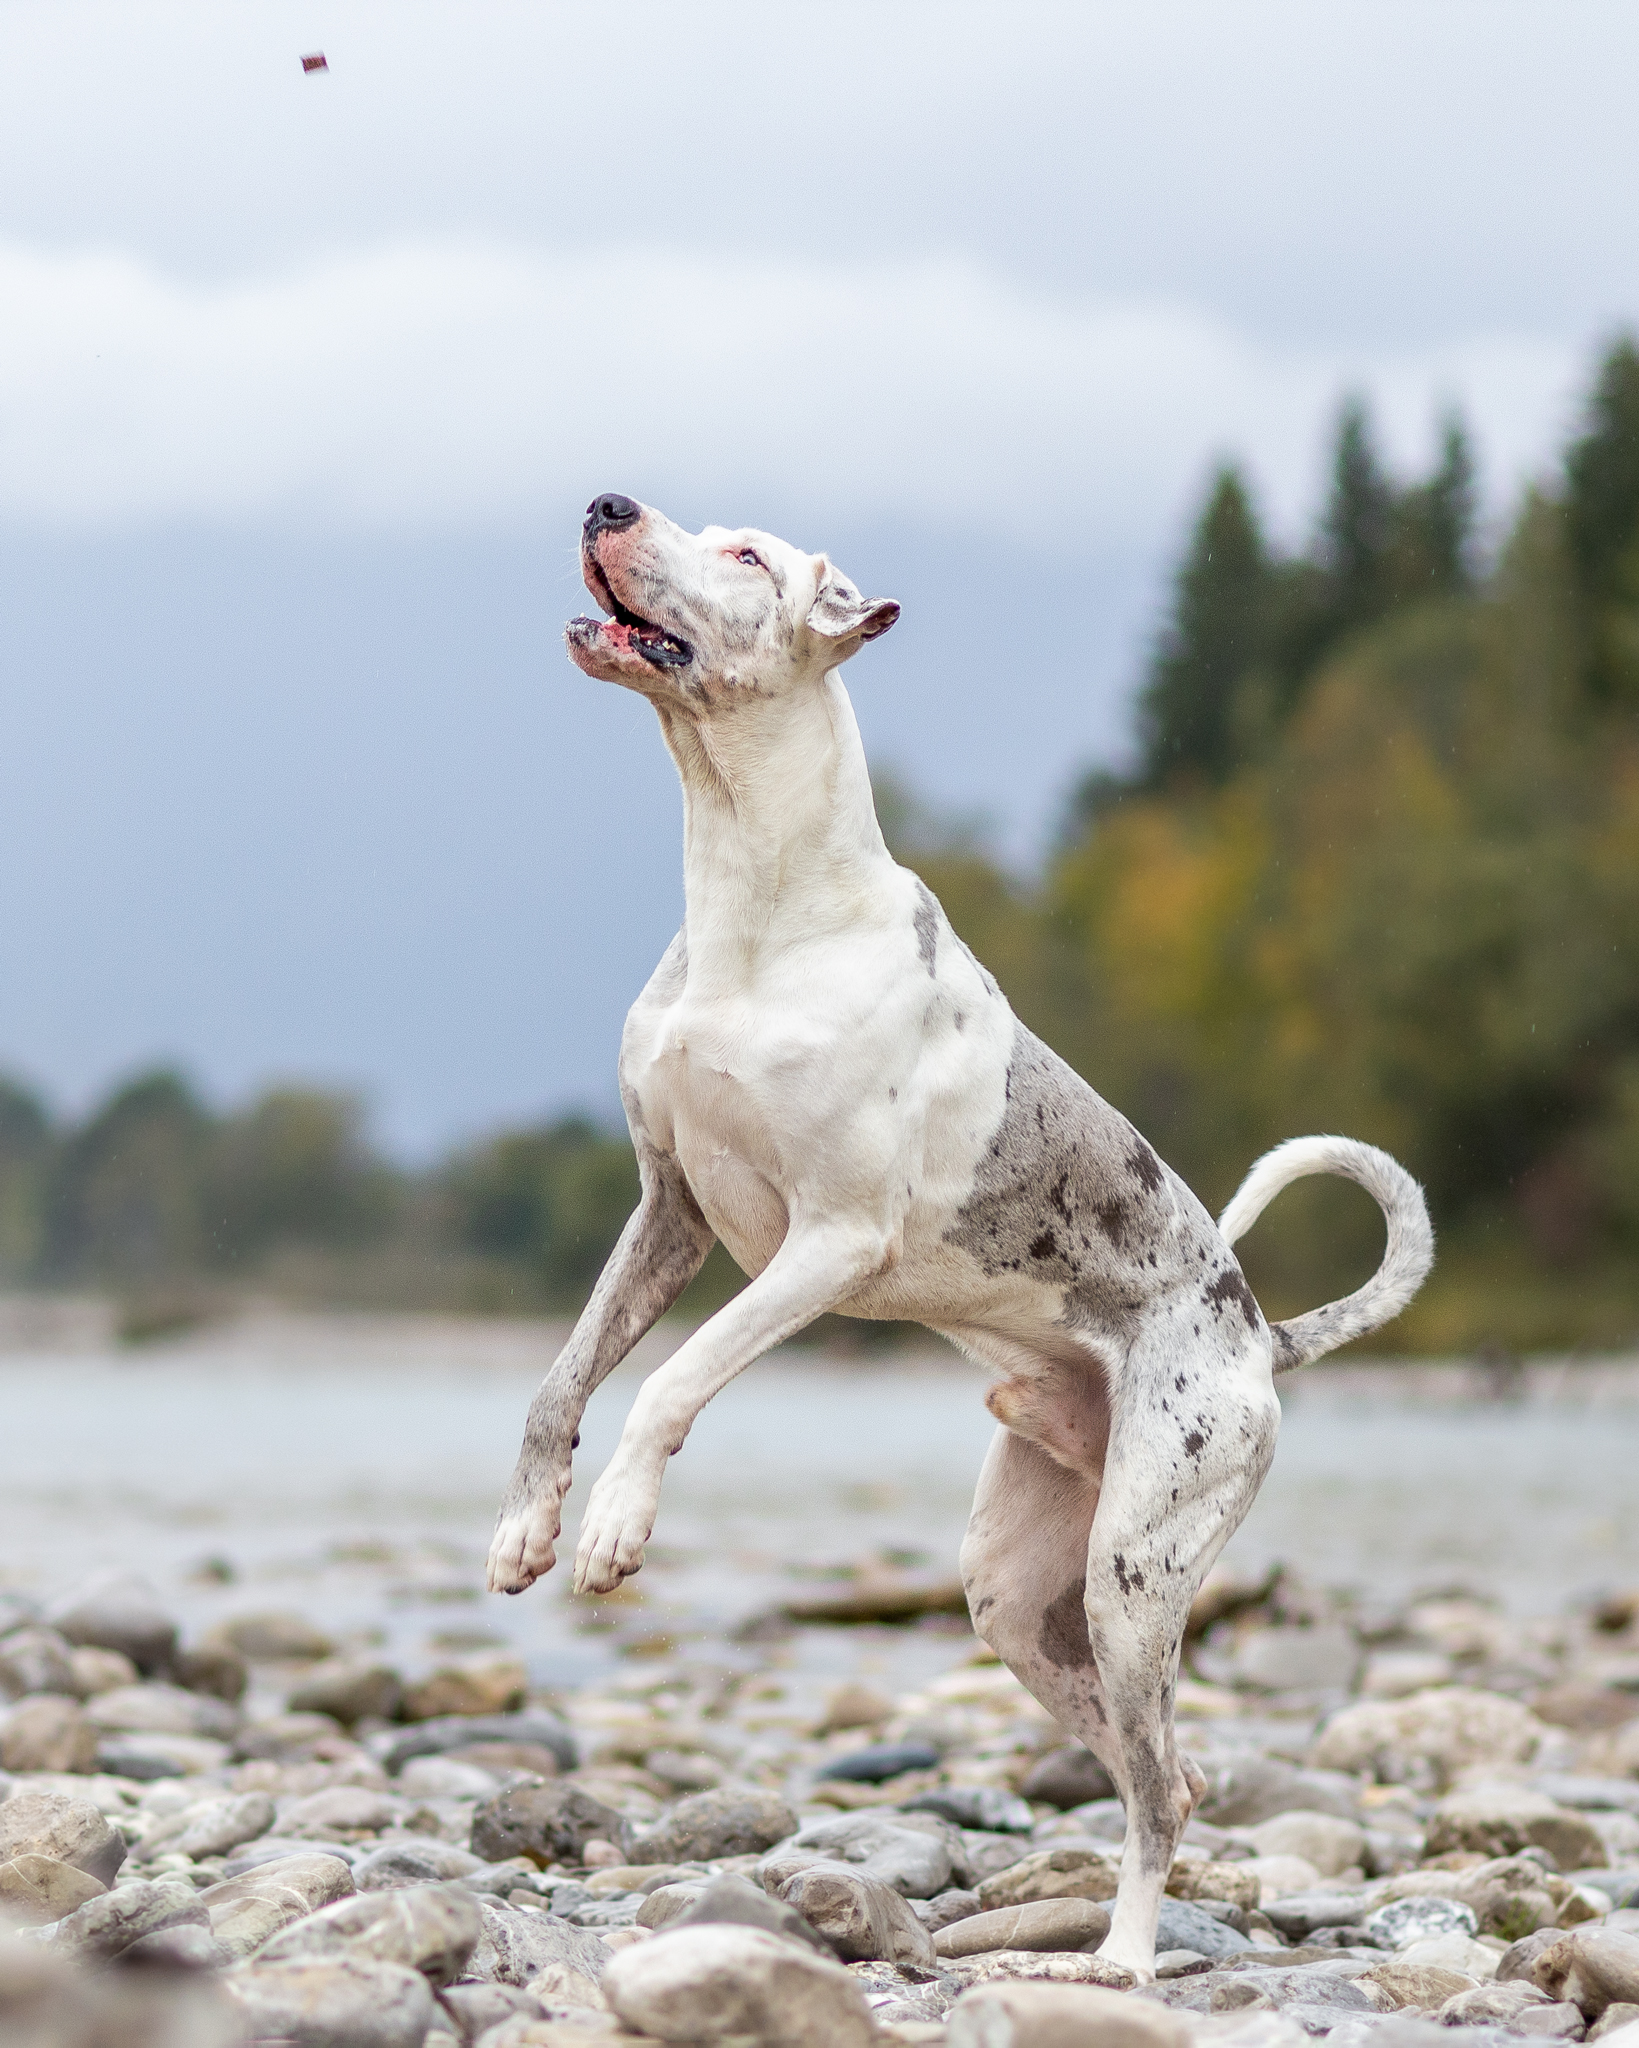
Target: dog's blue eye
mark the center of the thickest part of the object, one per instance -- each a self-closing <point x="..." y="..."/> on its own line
<point x="750" y="557"/>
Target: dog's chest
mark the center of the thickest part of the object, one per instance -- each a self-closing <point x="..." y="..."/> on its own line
<point x="723" y="1082"/>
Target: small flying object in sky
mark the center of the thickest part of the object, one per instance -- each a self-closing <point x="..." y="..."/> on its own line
<point x="316" y="62"/>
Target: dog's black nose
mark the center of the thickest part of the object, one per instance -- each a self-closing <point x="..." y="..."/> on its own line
<point x="612" y="511"/>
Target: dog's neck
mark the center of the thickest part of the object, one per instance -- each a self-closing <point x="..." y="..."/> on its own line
<point x="780" y="835"/>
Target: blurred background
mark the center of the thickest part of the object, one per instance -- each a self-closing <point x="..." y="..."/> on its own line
<point x="1242" y="403"/>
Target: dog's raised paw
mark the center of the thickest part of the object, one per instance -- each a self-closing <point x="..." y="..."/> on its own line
<point x="610" y="1548"/>
<point x="521" y="1552"/>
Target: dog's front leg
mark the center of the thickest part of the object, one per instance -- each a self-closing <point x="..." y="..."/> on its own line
<point x="815" y="1268"/>
<point x="661" y="1249"/>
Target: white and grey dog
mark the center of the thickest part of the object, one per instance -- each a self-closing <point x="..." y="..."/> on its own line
<point x="820" y="1074"/>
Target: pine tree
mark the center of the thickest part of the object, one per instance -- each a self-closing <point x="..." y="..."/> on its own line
<point x="1446" y="512"/>
<point x="1357" y="529"/>
<point x="1214" y="637"/>
<point x="1602" y="507"/>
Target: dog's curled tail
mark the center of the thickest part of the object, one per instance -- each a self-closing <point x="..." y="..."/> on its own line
<point x="1406" y="1258"/>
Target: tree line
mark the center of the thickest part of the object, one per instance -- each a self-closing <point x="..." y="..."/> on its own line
<point x="1375" y="869"/>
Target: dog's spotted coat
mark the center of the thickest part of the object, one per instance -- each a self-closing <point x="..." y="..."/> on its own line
<point x="821" y="1075"/>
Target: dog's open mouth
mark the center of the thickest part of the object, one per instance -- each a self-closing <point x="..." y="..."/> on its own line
<point x="662" y="649"/>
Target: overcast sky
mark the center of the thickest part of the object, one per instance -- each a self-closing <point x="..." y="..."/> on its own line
<point x="305" y="380"/>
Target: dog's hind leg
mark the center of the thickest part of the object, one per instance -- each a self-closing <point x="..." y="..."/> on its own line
<point x="661" y="1249"/>
<point x="1192" y="1436"/>
<point x="1084" y="1551"/>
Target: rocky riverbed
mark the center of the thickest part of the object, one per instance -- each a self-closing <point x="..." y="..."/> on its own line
<point x="1420" y="1814"/>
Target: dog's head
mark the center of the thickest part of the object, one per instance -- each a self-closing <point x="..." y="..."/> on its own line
<point x="701" y="620"/>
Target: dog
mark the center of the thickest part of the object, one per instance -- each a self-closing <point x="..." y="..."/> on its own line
<point x="821" y="1075"/>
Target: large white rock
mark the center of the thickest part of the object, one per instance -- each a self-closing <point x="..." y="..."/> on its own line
<point x="339" y="2002"/>
<point x="699" y="1983"/>
<point x="246" y="1911"/>
<point x="1060" y="2016"/>
<point x="1330" y="1844"/>
<point x="1429" y="1735"/>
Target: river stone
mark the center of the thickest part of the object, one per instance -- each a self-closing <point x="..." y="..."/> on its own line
<point x="36" y="1660"/>
<point x="1069" y="1871"/>
<point x="475" y="2008"/>
<point x="1220" y="1990"/>
<point x="1428" y="1738"/>
<point x="150" y="1757"/>
<point x="109" y="1924"/>
<point x="348" y="1689"/>
<point x="1612" y="2020"/>
<point x="1517" y="1962"/>
<point x="1043" y="1925"/>
<point x="40" y="1889"/>
<point x="183" y="1947"/>
<point x="914" y="1862"/>
<point x="1493" y="2005"/>
<point x="1330" y="1844"/>
<point x="1409" y="1920"/>
<point x="1301" y="1914"/>
<point x="460" y="1731"/>
<point x="481" y="1686"/>
<point x="1060" y="2016"/>
<point x="160" y="1709"/>
<point x="1320" y="1659"/>
<point x="880" y="1761"/>
<point x="977" y="1807"/>
<point x="48" y="1732"/>
<point x="1237" y="1883"/>
<point x="729" y="1901"/>
<point x="216" y="1668"/>
<point x="246" y="1911"/>
<point x="97" y="1671"/>
<point x="418" y="1860"/>
<point x="863" y="1919"/>
<point x="1182" y="1925"/>
<point x="727" y="1822"/>
<point x="210" y="1828"/>
<point x="280" y="1637"/>
<point x="549" y="1823"/>
<point x="1593" y="1968"/>
<point x="430" y="1928"/>
<point x="703" y="1983"/>
<point x="119" y="1611"/>
<point x="518" y="1943"/>
<point x="1020" y="1966"/>
<point x="276" y="1848"/>
<point x="342" y="1811"/>
<point x="1423" y="1985"/>
<point x="1250" y="1789"/>
<point x="1501" y="1820"/>
<point x="441" y="1777"/>
<point x="69" y="1830"/>
<point x="1068" y="1777"/>
<point x="336" y="2002"/>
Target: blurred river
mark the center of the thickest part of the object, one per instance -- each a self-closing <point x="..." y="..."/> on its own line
<point x="350" y="1468"/>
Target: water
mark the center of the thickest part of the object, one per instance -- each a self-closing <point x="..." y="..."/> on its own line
<point x="350" y="1468"/>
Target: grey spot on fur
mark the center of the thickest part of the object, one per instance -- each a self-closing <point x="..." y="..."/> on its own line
<point x="927" y="926"/>
<point x="1064" y="1639"/>
<point x="1229" y="1286"/>
<point x="1054" y="1195"/>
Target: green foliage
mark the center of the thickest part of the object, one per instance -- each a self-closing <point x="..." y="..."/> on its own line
<point x="293" y="1169"/>
<point x="549" y="1203"/>
<point x="1602" y="502"/>
<point x="25" y="1149"/>
<point x="1217" y="635"/>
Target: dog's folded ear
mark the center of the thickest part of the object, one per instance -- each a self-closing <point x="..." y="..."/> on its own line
<point x="839" y="613"/>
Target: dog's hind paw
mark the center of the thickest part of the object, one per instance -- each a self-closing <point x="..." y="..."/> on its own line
<point x="521" y="1551"/>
